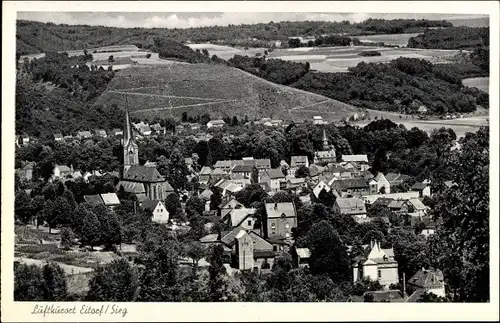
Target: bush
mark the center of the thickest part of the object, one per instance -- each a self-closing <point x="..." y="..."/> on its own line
<point x="34" y="249"/>
<point x="369" y="53"/>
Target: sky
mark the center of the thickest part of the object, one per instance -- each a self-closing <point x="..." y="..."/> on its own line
<point x="202" y="19"/>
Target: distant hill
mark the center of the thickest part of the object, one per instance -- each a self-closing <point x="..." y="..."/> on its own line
<point x="37" y="37"/>
<point x="215" y="89"/>
<point x="474" y="22"/>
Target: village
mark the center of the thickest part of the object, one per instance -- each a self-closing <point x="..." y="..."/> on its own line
<point x="252" y="241"/>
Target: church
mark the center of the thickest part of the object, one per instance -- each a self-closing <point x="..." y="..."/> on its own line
<point x="143" y="181"/>
<point x="327" y="155"/>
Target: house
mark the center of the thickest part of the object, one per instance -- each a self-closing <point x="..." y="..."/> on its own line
<point x="116" y="132"/>
<point x="417" y="207"/>
<point x="244" y="251"/>
<point x="144" y="130"/>
<point x="377" y="264"/>
<point x="327" y="155"/>
<point x="241" y="217"/>
<point x="274" y="178"/>
<point x="227" y="165"/>
<point x="422" y="109"/>
<point x="427" y="280"/>
<point x="355" y="158"/>
<point x="300" y="257"/>
<point x="318" y="120"/>
<point x="315" y="171"/>
<point x="62" y="171"/>
<point x="158" y="129"/>
<point x="110" y="199"/>
<point x="277" y="43"/>
<point x="244" y="170"/>
<point x="260" y="164"/>
<point x="26" y="172"/>
<point x="215" y="124"/>
<point x="206" y="194"/>
<point x="306" y="200"/>
<point x="354" y="187"/>
<point x="423" y="188"/>
<point x="383" y="201"/>
<point x="204" y="174"/>
<point x="58" y="137"/>
<point x="281" y="218"/>
<point x="93" y="199"/>
<point x="84" y="135"/>
<point x="227" y="207"/>
<point x="101" y="133"/>
<point x="396" y="179"/>
<point x="370" y="198"/>
<point x="350" y="206"/>
<point x="296" y="185"/>
<point x="159" y="213"/>
<point x="25" y="139"/>
<point x="383" y="185"/>
<point x="297" y="162"/>
<point x="320" y="187"/>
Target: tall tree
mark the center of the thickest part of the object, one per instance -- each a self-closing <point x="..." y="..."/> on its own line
<point x="118" y="281"/>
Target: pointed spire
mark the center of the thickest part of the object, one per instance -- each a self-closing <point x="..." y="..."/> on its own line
<point x="127" y="131"/>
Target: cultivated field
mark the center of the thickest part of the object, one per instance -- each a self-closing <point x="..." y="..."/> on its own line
<point x="219" y="90"/>
<point x="482" y="83"/>
<point x="394" y="39"/>
<point x="334" y="59"/>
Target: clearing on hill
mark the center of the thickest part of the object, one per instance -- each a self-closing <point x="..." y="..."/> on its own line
<point x="151" y="91"/>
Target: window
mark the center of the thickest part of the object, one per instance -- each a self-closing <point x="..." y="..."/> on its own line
<point x="249" y="222"/>
<point x="379" y="274"/>
<point x="273" y="225"/>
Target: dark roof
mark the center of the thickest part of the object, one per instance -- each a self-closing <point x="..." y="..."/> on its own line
<point x="427" y="279"/>
<point x="350" y="183"/>
<point x="275" y="173"/>
<point x="149" y="205"/>
<point x="418" y="186"/>
<point x="229" y="237"/>
<point x="138" y="173"/>
<point x="384" y="201"/>
<point x="243" y="168"/>
<point x="415" y="296"/>
<point x="93" y="199"/>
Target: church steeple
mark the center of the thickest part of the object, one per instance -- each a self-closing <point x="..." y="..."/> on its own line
<point x="127" y="130"/>
<point x="130" y="148"/>
<point x="326" y="145"/>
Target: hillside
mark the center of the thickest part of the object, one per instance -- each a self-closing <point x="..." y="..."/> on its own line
<point x="452" y="38"/>
<point x="215" y="89"/>
<point x="36" y="37"/>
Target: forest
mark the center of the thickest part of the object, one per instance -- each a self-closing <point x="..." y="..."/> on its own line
<point x="395" y="86"/>
<point x="452" y="38"/>
<point x="35" y="37"/>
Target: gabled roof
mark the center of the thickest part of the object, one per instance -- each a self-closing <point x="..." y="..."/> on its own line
<point x="277" y="210"/>
<point x="231" y="204"/>
<point x="350" y="203"/>
<point x="417" y="204"/>
<point x="93" y="199"/>
<point x="298" y="160"/>
<point x="391" y="296"/>
<point x="379" y="176"/>
<point x="384" y="201"/>
<point x="228" y="237"/>
<point x="110" y="199"/>
<point x="137" y="173"/>
<point x="418" y="186"/>
<point x="275" y="173"/>
<point x="150" y="205"/>
<point x="396" y="204"/>
<point x="63" y="168"/>
<point x="393" y="177"/>
<point x="315" y="170"/>
<point x="350" y="183"/>
<point x="355" y="158"/>
<point x="303" y="253"/>
<point x="213" y="237"/>
<point x="218" y="121"/>
<point x="243" y="168"/>
<point x="206" y="194"/>
<point x="205" y="170"/>
<point x="427" y="279"/>
<point x="239" y="215"/>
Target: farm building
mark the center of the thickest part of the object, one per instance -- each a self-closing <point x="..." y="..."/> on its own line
<point x="215" y="124"/>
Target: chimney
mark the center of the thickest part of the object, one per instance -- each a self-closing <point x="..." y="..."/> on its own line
<point x="371" y="244"/>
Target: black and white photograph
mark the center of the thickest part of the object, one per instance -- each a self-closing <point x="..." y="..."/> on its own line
<point x="260" y="157"/>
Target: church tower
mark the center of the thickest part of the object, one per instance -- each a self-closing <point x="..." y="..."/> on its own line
<point x="130" y="148"/>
